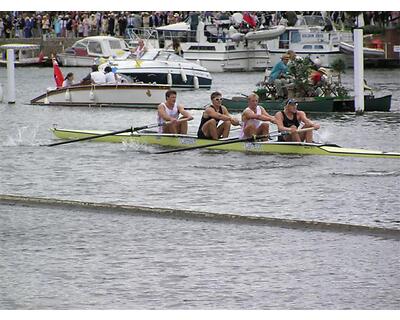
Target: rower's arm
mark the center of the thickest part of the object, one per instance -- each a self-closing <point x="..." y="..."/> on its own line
<point x="279" y="122"/>
<point x="164" y="115"/>
<point x="307" y="122"/>
<point x="232" y="119"/>
<point x="216" y="115"/>
<point x="265" y="116"/>
<point x="185" y="114"/>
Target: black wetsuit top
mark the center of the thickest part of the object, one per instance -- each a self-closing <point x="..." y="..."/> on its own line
<point x="288" y="123"/>
<point x="200" y="133"/>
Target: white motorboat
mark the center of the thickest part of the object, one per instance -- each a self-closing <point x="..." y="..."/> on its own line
<point x="162" y="67"/>
<point x="24" y="54"/>
<point x="91" y="50"/>
<point x="129" y="95"/>
<point x="312" y="36"/>
<point x="218" y="46"/>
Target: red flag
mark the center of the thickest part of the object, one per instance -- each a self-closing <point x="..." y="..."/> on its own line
<point x="249" y="19"/>
<point x="58" y="76"/>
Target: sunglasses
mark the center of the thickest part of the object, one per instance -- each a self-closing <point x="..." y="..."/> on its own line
<point x="218" y="99"/>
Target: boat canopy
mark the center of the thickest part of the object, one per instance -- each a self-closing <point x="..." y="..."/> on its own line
<point x="101" y="46"/>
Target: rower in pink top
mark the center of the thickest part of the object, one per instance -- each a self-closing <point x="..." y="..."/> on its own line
<point x="255" y="119"/>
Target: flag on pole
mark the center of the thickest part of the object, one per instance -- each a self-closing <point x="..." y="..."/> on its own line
<point x="58" y="76"/>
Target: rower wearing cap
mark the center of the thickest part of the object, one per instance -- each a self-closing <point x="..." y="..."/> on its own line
<point x="289" y="120"/>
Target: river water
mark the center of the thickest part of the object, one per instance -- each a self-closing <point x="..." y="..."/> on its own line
<point x="60" y="258"/>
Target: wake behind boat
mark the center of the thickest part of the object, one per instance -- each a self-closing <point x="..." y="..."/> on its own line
<point x="181" y="141"/>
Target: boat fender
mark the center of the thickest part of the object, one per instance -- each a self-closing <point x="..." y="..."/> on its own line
<point x="67" y="95"/>
<point x="169" y="79"/>
<point x="1" y="92"/>
<point x="196" y="82"/>
<point x="198" y="62"/>
<point x="91" y="95"/>
<point x="183" y="75"/>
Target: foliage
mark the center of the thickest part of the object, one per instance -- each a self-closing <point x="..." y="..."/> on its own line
<point x="339" y="65"/>
<point x="373" y="29"/>
<point x="300" y="70"/>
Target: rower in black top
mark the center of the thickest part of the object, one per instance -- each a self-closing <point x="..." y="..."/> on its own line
<point x="213" y="115"/>
<point x="289" y="120"/>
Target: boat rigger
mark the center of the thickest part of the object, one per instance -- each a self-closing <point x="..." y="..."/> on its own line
<point x="261" y="147"/>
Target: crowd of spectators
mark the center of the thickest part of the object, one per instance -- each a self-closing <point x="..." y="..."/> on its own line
<point x="54" y="24"/>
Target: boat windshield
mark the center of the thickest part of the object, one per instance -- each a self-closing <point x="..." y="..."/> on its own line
<point x="311" y="21"/>
<point x="117" y="44"/>
<point x="162" y="56"/>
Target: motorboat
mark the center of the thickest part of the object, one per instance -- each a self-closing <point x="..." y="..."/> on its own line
<point x="219" y="45"/>
<point x="312" y="36"/>
<point x="162" y="67"/>
<point x="24" y="54"/>
<point x="128" y="95"/>
<point x="348" y="49"/>
<point x="92" y="50"/>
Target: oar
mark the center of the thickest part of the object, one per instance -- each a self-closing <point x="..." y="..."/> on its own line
<point x="131" y="129"/>
<point x="251" y="139"/>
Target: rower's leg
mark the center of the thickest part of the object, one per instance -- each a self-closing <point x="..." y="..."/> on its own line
<point x="249" y="130"/>
<point x="263" y="130"/>
<point x="295" y="137"/>
<point x="306" y="136"/>
<point x="183" y="127"/>
<point x="223" y="129"/>
<point x="210" y="129"/>
<point x="170" y="128"/>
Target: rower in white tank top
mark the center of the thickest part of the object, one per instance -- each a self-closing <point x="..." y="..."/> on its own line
<point x="173" y="113"/>
<point x="256" y="122"/>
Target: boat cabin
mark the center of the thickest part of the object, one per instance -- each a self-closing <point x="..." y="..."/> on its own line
<point x="99" y="46"/>
<point x="24" y="53"/>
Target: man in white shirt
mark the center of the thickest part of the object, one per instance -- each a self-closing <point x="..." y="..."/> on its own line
<point x="96" y="76"/>
<point x="110" y="76"/>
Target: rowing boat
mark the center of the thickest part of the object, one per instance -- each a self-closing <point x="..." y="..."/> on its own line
<point x="181" y="140"/>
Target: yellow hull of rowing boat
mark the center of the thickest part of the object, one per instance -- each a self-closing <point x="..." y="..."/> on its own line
<point x="180" y="141"/>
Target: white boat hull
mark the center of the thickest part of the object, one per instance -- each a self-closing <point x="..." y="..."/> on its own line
<point x="67" y="60"/>
<point x="121" y="95"/>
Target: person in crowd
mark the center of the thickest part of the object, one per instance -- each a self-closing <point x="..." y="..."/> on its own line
<point x="279" y="76"/>
<point x="289" y="120"/>
<point x="255" y="118"/>
<point x="69" y="80"/>
<point x="210" y="127"/>
<point x="168" y="115"/>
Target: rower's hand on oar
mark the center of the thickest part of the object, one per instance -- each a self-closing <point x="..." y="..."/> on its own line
<point x="235" y="121"/>
<point x="185" y="119"/>
<point x="316" y="126"/>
